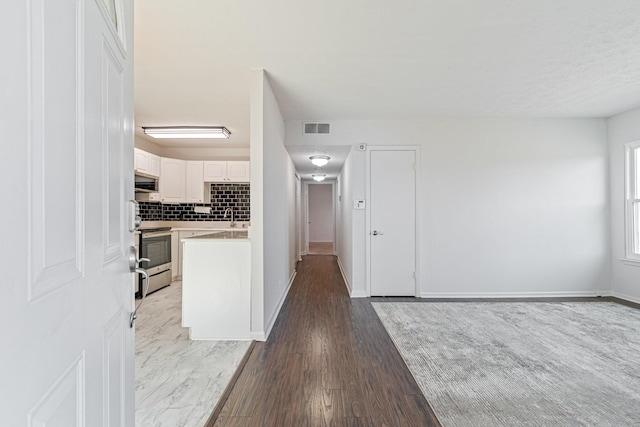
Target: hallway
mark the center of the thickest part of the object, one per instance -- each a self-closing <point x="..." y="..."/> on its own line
<point x="328" y="361"/>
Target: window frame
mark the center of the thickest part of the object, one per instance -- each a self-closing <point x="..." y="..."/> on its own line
<point x="632" y="201"/>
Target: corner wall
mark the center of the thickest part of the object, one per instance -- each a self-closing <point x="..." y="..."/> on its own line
<point x="622" y="129"/>
<point x="351" y="246"/>
<point x="272" y="208"/>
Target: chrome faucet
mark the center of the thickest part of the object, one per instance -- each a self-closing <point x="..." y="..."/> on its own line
<point x="233" y="223"/>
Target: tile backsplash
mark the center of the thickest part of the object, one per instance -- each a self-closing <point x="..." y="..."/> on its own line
<point x="233" y="195"/>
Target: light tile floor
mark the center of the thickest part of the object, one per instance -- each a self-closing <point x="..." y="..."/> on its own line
<point x="320" y="248"/>
<point x="178" y="381"/>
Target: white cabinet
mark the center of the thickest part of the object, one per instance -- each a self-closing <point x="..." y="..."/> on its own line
<point x="215" y="171"/>
<point x="194" y="183"/>
<point x="146" y="163"/>
<point x="172" y="180"/>
<point x="221" y="171"/>
<point x="181" y="181"/>
<point x="216" y="289"/>
<point x="238" y="171"/>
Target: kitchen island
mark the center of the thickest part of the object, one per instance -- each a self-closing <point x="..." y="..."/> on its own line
<point x="216" y="286"/>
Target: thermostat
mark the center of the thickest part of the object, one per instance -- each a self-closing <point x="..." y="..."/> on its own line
<point x="358" y="204"/>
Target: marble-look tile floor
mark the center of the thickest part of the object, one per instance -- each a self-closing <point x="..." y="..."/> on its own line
<point x="178" y="381"/>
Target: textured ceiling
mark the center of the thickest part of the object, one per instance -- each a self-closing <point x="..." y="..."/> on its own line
<point x="370" y="59"/>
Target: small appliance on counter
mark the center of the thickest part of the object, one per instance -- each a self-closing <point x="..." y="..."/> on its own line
<point x="155" y="244"/>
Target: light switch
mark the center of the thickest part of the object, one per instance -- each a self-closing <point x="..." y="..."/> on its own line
<point x="359" y="204"/>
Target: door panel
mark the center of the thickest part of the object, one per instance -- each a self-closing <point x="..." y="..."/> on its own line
<point x="55" y="196"/>
<point x="393" y="223"/>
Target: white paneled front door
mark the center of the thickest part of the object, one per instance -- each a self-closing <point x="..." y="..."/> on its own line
<point x="392" y="222"/>
<point x="67" y="168"/>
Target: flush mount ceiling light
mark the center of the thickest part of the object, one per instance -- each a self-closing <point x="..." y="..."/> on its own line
<point x="318" y="177"/>
<point x="199" y="132"/>
<point x="319" y="160"/>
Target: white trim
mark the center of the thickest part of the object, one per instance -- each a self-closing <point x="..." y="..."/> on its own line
<point x="344" y="277"/>
<point x="359" y="294"/>
<point x="625" y="297"/>
<point x="418" y="156"/>
<point x="560" y="294"/>
<point x="262" y="336"/>
<point x="333" y="209"/>
<point x="630" y="262"/>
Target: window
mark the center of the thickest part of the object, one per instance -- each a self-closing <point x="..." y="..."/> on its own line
<point x="632" y="200"/>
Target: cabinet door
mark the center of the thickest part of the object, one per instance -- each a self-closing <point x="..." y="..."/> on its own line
<point x="215" y="171"/>
<point x="238" y="171"/>
<point x="194" y="182"/>
<point x="141" y="160"/>
<point x="172" y="180"/>
<point x="175" y="251"/>
<point x="153" y="162"/>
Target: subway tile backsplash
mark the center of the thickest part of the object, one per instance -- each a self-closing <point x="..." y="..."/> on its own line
<point x="233" y="195"/>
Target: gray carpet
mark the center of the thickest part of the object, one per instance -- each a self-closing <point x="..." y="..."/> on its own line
<point x="522" y="364"/>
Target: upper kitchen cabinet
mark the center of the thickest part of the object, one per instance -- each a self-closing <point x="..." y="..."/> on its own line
<point x="221" y="171"/>
<point x="146" y="163"/>
<point x="181" y="181"/>
<point x="215" y="171"/>
<point x="194" y="182"/>
<point x="172" y="182"/>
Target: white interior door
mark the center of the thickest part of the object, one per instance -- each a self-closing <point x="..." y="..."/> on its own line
<point x="392" y="233"/>
<point x="321" y="212"/>
<point x="67" y="166"/>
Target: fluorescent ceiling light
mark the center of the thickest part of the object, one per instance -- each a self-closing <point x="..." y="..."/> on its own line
<point x="200" y="132"/>
<point x="318" y="177"/>
<point x="319" y="160"/>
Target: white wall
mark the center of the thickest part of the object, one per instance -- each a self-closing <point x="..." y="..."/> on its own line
<point x="192" y="153"/>
<point x="508" y="207"/>
<point x="320" y="212"/>
<point x="272" y="205"/>
<point x="622" y="129"/>
<point x="350" y="246"/>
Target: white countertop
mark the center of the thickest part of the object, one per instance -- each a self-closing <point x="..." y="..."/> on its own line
<point x="195" y="225"/>
<point x="221" y="234"/>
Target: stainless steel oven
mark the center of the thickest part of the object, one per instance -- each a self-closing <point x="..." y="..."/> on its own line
<point x="155" y="244"/>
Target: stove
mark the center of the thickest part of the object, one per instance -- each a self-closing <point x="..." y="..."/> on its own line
<point x="155" y="244"/>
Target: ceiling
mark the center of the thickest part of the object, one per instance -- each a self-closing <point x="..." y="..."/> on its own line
<point x="370" y="59"/>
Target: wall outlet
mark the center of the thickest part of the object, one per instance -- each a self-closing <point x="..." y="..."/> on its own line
<point x="359" y="204"/>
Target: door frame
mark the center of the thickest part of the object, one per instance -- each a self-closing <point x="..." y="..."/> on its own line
<point x="299" y="218"/>
<point x="370" y="149"/>
<point x="306" y="212"/>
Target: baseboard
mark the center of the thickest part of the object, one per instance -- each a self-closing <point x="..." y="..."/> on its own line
<point x="561" y="294"/>
<point x="263" y="336"/>
<point x="359" y="294"/>
<point x="625" y="297"/>
<point x="344" y="277"/>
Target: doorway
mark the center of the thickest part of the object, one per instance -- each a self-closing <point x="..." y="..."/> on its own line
<point x="392" y="221"/>
<point x="320" y="219"/>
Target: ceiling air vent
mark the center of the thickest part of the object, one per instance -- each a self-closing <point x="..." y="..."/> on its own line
<point x="316" y="128"/>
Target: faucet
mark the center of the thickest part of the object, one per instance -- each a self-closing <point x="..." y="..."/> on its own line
<point x="233" y="223"/>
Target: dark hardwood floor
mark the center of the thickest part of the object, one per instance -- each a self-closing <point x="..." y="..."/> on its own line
<point x="327" y="362"/>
